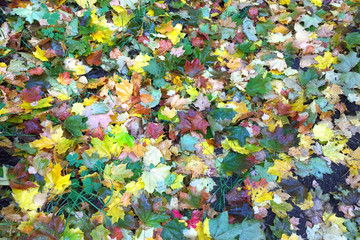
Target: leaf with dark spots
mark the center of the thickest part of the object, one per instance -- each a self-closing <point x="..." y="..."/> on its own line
<point x="33" y="127"/>
<point x="194" y="67"/>
<point x="31" y="95"/>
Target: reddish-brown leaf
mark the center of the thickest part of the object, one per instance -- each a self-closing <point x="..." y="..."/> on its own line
<point x="94" y="58"/>
<point x="192" y="121"/>
<point x="116" y="233"/>
<point x="36" y="71"/>
<point x="19" y="177"/>
<point x="155" y="130"/>
<point x="194" y="67"/>
<point x="33" y="126"/>
<point x="31" y="95"/>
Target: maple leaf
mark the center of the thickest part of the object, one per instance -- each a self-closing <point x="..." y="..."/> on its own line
<point x="155" y="130"/>
<point x="64" y="78"/>
<point x="94" y="120"/>
<point x="36" y="71"/>
<point x="191" y="121"/>
<point x="27" y="198"/>
<point x="33" y="126"/>
<point x="40" y="54"/>
<point x="194" y="67"/>
<point x="55" y="182"/>
<point x="154" y="177"/>
<point x="124" y="90"/>
<point x="31" y="95"/>
<point x="94" y="58"/>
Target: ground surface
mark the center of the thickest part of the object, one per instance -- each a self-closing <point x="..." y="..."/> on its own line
<point x="180" y="119"/>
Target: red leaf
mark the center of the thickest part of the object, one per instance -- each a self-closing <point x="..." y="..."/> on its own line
<point x="192" y="121"/>
<point x="165" y="46"/>
<point x="98" y="133"/>
<point x="155" y="130"/>
<point x="33" y="126"/>
<point x="116" y="233"/>
<point x="31" y="95"/>
<point x="36" y="71"/>
<point x="283" y="109"/>
<point x="194" y="67"/>
<point x="94" y="58"/>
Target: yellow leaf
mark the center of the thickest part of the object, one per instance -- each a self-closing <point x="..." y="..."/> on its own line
<point x="106" y="147"/>
<point x="332" y="151"/>
<point x="261" y="194"/>
<point x="86" y="3"/>
<point x="117" y="173"/>
<point x="123" y="18"/>
<point x="178" y="182"/>
<point x="115" y="211"/>
<point x="281" y="169"/>
<point x="43" y="142"/>
<point x="124" y="90"/>
<point x="328" y="217"/>
<point x="40" y="54"/>
<point x="155" y="175"/>
<point x="317" y="3"/>
<point x="134" y="187"/>
<point x="42" y="103"/>
<point x="192" y="92"/>
<point x="25" y="198"/>
<point x="140" y="62"/>
<point x="63" y="145"/>
<point x="284" y="2"/>
<point x="196" y="165"/>
<point x="201" y="230"/>
<point x="308" y="202"/>
<point x="55" y="182"/>
<point x="169" y="112"/>
<point x="78" y="108"/>
<point x="322" y="132"/>
<point x="234" y="145"/>
<point x="325" y="61"/>
<point x="207" y="149"/>
<point x="175" y="35"/>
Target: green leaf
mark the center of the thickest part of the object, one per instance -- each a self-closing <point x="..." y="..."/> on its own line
<point x="305" y="77"/>
<point x="147" y="215"/>
<point x="25" y="147"/>
<point x="124" y="139"/>
<point x="347" y="62"/>
<point x="249" y="29"/>
<point x="188" y="142"/>
<point x="156" y="69"/>
<point x="353" y="39"/>
<point x="262" y="28"/>
<point x="311" y="21"/>
<point x="90" y="161"/>
<point x="259" y="85"/>
<point x="223" y="113"/>
<point x="238" y="133"/>
<point x="74" y="124"/>
<point x="251" y="229"/>
<point x="220" y="229"/>
<point x="262" y="172"/>
<point x="173" y="230"/>
<point x="350" y="79"/>
<point x="100" y="233"/>
<point x="73" y="158"/>
<point x="99" y="108"/>
<point x="316" y="167"/>
<point x="235" y="162"/>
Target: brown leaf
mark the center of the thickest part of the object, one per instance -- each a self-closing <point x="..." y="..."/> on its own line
<point x="31" y="95"/>
<point x="94" y="58"/>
